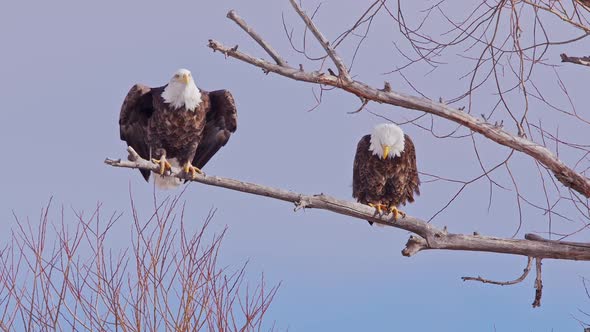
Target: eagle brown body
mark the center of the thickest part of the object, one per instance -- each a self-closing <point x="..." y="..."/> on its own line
<point x="176" y="132"/>
<point x="156" y="129"/>
<point x="391" y="181"/>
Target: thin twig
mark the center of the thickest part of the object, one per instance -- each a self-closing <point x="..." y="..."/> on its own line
<point x="525" y="273"/>
<point x="242" y="24"/>
<point x="364" y="103"/>
<point x="342" y="70"/>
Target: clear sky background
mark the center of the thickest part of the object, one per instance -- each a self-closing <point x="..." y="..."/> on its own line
<point x="66" y="67"/>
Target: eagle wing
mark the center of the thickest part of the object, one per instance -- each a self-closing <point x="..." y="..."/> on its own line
<point x="136" y="110"/>
<point x="412" y="178"/>
<point x="403" y="179"/>
<point x="357" y="178"/>
<point x="221" y="122"/>
<point x="368" y="183"/>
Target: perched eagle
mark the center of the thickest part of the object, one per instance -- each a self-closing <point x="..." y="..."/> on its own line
<point x="384" y="172"/>
<point x="177" y="124"/>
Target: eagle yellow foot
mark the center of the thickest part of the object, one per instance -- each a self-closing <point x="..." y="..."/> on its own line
<point x="378" y="206"/>
<point x="192" y="170"/>
<point x="397" y="213"/>
<point x="164" y="165"/>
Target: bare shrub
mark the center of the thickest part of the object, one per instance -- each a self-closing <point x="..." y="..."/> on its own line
<point x="63" y="275"/>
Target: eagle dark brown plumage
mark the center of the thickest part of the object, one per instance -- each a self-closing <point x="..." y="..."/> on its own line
<point x="156" y="129"/>
<point x="388" y="182"/>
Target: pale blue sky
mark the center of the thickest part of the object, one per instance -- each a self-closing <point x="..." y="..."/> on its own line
<point x="66" y="66"/>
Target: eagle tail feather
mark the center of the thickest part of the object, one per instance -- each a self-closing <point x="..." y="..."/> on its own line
<point x="168" y="182"/>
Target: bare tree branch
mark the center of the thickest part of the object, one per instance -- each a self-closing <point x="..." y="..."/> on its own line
<point x="584" y="61"/>
<point x="428" y="236"/>
<point x="535" y="237"/>
<point x="525" y="273"/>
<point x="271" y="51"/>
<point x="527" y="269"/>
<point x="538" y="284"/>
<point x="342" y="70"/>
<point x="62" y="275"/>
<point x="364" y="103"/>
<point x="567" y="176"/>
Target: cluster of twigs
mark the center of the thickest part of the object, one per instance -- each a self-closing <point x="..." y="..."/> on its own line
<point x="63" y="275"/>
<point x="505" y="47"/>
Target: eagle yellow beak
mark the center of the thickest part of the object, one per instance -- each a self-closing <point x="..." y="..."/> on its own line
<point x="185" y="78"/>
<point x="385" y="151"/>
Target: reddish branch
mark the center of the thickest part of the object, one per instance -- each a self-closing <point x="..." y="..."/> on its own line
<point x="567" y="176"/>
<point x="59" y="275"/>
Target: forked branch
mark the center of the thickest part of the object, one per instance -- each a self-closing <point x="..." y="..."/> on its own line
<point x="342" y="70"/>
<point x="271" y="51"/>
<point x="566" y="175"/>
<point x="525" y="273"/>
<point x="527" y="269"/>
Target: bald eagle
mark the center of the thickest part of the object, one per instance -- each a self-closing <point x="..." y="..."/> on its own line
<point x="177" y="124"/>
<point x="385" y="173"/>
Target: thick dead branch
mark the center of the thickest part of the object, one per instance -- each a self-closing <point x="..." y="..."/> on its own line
<point x="562" y="172"/>
<point x="584" y="61"/>
<point x="525" y="273"/>
<point x="342" y="70"/>
<point x="428" y="237"/>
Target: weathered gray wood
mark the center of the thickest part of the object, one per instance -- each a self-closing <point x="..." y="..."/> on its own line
<point x="428" y="237"/>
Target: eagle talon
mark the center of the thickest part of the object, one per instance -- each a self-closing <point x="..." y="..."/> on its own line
<point x="164" y="165"/>
<point x="397" y="213"/>
<point x="378" y="206"/>
<point x="192" y="170"/>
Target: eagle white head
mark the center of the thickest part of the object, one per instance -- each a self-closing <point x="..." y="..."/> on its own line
<point x="387" y="140"/>
<point x="182" y="91"/>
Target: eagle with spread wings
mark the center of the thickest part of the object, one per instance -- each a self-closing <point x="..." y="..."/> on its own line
<point x="177" y="125"/>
